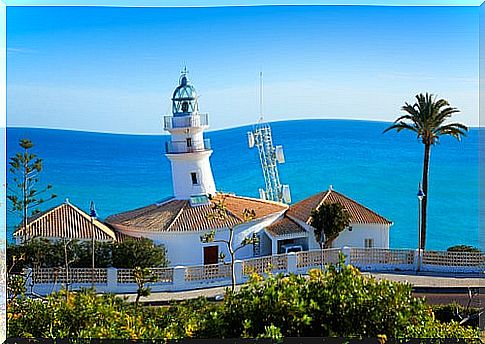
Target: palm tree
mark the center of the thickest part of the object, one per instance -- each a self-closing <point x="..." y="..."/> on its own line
<point x="427" y="119"/>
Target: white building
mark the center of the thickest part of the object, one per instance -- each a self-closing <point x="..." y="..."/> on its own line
<point x="179" y="222"/>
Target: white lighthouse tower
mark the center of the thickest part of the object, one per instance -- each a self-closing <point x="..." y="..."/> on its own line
<point x="187" y="150"/>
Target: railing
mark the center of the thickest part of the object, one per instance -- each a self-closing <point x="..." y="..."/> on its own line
<point x="177" y="122"/>
<point x="312" y="259"/>
<point x="266" y="264"/>
<point x="192" y="277"/>
<point x="365" y="256"/>
<point x="179" y="147"/>
<point x="445" y="258"/>
<point x="207" y="272"/>
<point x="162" y="275"/>
<point x="76" y="275"/>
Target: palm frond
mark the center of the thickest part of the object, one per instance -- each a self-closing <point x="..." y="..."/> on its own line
<point x="401" y="126"/>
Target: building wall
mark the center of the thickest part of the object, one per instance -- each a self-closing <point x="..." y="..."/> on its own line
<point x="183" y="165"/>
<point x="185" y="248"/>
<point x="354" y="238"/>
<point x="360" y="232"/>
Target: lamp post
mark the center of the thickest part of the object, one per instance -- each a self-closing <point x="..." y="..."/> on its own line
<point x="420" y="200"/>
<point x="92" y="213"/>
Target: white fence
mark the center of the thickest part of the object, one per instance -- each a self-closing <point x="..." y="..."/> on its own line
<point x="44" y="281"/>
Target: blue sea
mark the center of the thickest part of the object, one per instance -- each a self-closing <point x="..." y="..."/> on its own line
<point x="120" y="172"/>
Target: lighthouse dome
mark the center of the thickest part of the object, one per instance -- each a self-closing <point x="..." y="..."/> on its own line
<point x="184" y="99"/>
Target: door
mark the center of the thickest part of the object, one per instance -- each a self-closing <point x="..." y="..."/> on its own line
<point x="211" y="255"/>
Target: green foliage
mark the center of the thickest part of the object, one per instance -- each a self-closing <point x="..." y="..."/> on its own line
<point x="328" y="221"/>
<point x="142" y="253"/>
<point x="463" y="248"/>
<point x="142" y="276"/>
<point x="39" y="252"/>
<point x="427" y="118"/>
<point x="455" y="312"/>
<point x="25" y="168"/>
<point x="336" y="302"/>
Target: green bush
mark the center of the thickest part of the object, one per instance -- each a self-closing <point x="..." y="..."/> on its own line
<point x="43" y="253"/>
<point x="463" y="248"/>
<point x="337" y="302"/>
<point x="448" y="313"/>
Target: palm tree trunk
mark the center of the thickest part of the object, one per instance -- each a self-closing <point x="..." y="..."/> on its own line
<point x="427" y="149"/>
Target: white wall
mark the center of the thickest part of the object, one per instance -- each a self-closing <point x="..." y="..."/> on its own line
<point x="183" y="165"/>
<point x="354" y="238"/>
<point x="360" y="232"/>
<point x="185" y="248"/>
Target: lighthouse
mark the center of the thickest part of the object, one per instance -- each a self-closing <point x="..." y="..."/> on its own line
<point x="187" y="149"/>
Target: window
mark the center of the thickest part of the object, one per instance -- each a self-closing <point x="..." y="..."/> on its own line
<point x="193" y="175"/>
<point x="189" y="142"/>
<point x="368" y="243"/>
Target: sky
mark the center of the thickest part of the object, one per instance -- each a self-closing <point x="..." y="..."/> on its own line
<point x="114" y="69"/>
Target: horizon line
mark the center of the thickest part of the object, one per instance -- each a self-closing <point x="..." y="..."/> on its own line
<point x="164" y="133"/>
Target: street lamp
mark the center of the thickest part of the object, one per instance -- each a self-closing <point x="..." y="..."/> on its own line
<point x="420" y="200"/>
<point x="92" y="213"/>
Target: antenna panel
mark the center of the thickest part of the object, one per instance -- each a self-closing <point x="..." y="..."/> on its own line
<point x="280" y="156"/>
<point x="250" y="140"/>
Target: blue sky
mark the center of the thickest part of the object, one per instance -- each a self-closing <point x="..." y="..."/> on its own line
<point x="114" y="69"/>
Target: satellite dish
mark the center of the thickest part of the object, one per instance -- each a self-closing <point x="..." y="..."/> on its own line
<point x="286" y="194"/>
<point x="280" y="156"/>
<point x="250" y="140"/>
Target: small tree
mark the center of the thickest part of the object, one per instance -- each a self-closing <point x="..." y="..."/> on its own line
<point x="220" y="213"/>
<point x="328" y="221"/>
<point x="25" y="168"/>
<point x="142" y="276"/>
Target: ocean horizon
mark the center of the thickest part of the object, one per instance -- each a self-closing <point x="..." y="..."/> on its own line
<point x="120" y="172"/>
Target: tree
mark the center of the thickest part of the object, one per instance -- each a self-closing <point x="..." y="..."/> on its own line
<point x="142" y="252"/>
<point x="25" y="168"/>
<point x="220" y="213"/>
<point x="328" y="221"/>
<point x="142" y="276"/>
<point x="427" y="118"/>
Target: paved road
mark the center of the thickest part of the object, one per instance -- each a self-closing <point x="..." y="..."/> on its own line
<point x="437" y="288"/>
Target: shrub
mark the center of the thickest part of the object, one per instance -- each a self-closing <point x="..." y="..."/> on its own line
<point x="141" y="253"/>
<point x="463" y="248"/>
<point x="336" y="302"/>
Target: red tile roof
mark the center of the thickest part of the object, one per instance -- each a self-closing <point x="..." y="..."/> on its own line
<point x="358" y="213"/>
<point x="65" y="221"/>
<point x="180" y="216"/>
<point x="285" y="226"/>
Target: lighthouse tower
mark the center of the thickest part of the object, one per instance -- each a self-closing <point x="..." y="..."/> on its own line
<point x="187" y="149"/>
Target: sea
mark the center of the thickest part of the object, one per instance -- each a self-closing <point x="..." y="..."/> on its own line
<point x="382" y="171"/>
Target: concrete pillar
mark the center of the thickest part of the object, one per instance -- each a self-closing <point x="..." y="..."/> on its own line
<point x="179" y="278"/>
<point x="274" y="246"/>
<point x="346" y="252"/>
<point x="292" y="259"/>
<point x="112" y="280"/>
<point x="238" y="271"/>
<point x="418" y="259"/>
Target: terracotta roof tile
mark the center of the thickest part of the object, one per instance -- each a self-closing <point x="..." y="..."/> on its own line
<point x="65" y="221"/>
<point x="179" y="215"/>
<point x="358" y="213"/>
<point x="285" y="226"/>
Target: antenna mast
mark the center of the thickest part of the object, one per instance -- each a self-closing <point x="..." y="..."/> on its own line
<point x="269" y="156"/>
